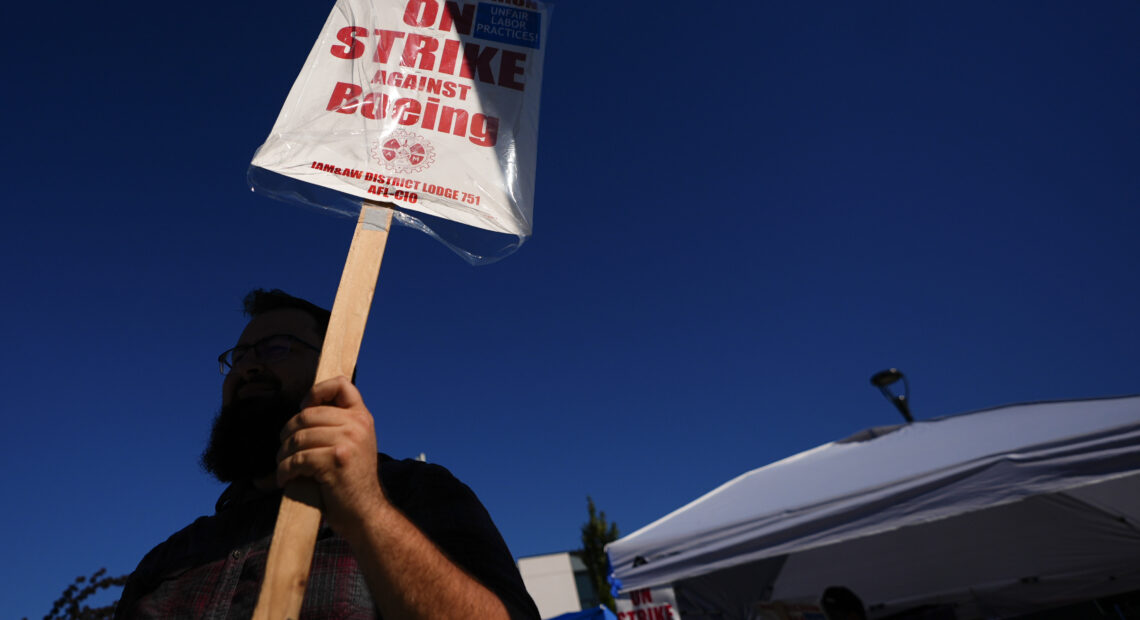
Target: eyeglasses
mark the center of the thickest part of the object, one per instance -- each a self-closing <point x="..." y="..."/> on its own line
<point x="268" y="349"/>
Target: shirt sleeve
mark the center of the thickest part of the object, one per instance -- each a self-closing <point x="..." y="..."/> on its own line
<point x="451" y="516"/>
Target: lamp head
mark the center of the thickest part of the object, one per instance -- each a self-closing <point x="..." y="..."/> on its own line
<point x="886" y="378"/>
<point x="883" y="378"/>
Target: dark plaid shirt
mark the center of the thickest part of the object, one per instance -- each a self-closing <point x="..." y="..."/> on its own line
<point x="213" y="568"/>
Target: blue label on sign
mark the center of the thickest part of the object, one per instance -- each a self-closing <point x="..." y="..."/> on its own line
<point x="508" y="24"/>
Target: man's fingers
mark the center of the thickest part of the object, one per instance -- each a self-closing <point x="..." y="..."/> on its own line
<point x="316" y="463"/>
<point x="326" y="416"/>
<point x="309" y="438"/>
<point x="312" y="418"/>
<point x="338" y="392"/>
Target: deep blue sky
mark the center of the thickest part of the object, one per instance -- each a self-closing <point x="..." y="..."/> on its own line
<point x="740" y="216"/>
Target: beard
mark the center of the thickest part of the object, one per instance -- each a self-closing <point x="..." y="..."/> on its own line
<point x="245" y="437"/>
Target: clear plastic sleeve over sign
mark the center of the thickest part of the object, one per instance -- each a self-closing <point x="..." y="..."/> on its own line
<point x="428" y="104"/>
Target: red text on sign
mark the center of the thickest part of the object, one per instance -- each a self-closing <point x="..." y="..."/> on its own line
<point x="479" y="128"/>
<point x="429" y="85"/>
<point x="425" y="53"/>
<point x="660" y="612"/>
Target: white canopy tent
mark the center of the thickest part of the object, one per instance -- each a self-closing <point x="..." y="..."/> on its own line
<point x="995" y="513"/>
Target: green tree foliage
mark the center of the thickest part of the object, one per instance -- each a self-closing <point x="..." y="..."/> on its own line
<point x="596" y="533"/>
<point x="69" y="605"/>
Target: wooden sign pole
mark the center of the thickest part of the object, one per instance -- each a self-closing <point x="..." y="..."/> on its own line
<point x="295" y="535"/>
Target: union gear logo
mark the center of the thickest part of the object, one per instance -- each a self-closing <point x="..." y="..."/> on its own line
<point x="403" y="151"/>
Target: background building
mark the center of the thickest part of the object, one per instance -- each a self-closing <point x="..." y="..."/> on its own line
<point x="558" y="583"/>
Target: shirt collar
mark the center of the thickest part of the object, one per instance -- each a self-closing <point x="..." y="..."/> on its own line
<point x="241" y="492"/>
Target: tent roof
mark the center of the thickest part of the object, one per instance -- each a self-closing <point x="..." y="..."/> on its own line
<point x="889" y="478"/>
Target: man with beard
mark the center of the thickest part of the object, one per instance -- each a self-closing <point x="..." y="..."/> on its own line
<point x="399" y="539"/>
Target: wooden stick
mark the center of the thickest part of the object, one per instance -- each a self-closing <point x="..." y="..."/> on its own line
<point x="299" y="518"/>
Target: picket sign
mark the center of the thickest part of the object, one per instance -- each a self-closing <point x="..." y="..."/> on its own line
<point x="430" y="106"/>
<point x="299" y="517"/>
